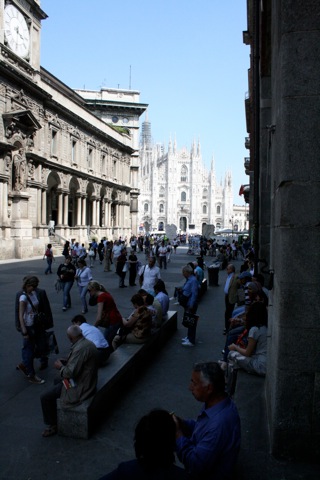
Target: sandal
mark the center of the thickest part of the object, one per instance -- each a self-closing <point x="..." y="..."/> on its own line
<point x="51" y="430"/>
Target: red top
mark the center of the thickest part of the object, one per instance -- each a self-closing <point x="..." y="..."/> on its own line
<point x="110" y="314"/>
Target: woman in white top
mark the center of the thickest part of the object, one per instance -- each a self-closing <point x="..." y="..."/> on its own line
<point x="83" y="277"/>
<point x="28" y="307"/>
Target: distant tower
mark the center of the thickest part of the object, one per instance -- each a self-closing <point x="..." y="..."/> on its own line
<point x="146" y="138"/>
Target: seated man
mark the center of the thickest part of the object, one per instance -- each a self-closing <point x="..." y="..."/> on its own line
<point x="78" y="378"/>
<point x="208" y="447"/>
<point x="92" y="333"/>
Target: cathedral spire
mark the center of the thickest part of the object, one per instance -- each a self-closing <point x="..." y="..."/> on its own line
<point x="170" y="145"/>
<point x="175" y="144"/>
<point x="199" y="148"/>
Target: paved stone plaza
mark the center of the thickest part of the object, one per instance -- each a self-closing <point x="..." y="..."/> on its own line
<point x="25" y="455"/>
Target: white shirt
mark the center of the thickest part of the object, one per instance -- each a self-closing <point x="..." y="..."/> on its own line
<point x="150" y="276"/>
<point x="94" y="335"/>
<point x="116" y="251"/>
<point x="29" y="312"/>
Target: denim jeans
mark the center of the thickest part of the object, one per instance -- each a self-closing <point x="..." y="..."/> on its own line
<point x="48" y="269"/>
<point x="83" y="293"/>
<point x="34" y="345"/>
<point x="66" y="293"/>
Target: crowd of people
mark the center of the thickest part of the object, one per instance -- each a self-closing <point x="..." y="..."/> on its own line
<point x="207" y="447"/>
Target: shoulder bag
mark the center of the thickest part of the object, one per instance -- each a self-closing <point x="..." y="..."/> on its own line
<point x="190" y="319"/>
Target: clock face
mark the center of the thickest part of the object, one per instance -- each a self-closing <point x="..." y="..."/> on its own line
<point x="16" y="31"/>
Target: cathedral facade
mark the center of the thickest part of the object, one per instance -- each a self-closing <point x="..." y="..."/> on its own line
<point x="177" y="193"/>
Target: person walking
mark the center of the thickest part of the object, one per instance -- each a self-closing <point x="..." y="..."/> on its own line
<point x="66" y="273"/>
<point x="190" y="293"/>
<point x="30" y="301"/>
<point x="83" y="277"/>
<point x="48" y="254"/>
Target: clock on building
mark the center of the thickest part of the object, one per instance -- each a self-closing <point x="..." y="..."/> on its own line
<point x="16" y="31"/>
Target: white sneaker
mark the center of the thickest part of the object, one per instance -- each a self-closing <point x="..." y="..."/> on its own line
<point x="184" y="339"/>
<point x="187" y="343"/>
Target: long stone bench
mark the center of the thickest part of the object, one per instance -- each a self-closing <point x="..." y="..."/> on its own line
<point x="123" y="368"/>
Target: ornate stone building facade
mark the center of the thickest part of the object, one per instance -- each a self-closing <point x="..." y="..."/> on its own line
<point x="177" y="193"/>
<point x="59" y="163"/>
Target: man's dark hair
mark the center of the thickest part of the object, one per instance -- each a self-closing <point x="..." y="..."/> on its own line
<point x="79" y="319"/>
<point x="211" y="371"/>
<point x="137" y="300"/>
<point x="149" y="299"/>
<point x="154" y="440"/>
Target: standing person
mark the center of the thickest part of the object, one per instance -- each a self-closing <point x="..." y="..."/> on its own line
<point x="66" y="249"/>
<point x="48" y="254"/>
<point x="100" y="251"/>
<point x="162" y="253"/>
<point x="149" y="274"/>
<point x="154" y="444"/>
<point x="66" y="273"/>
<point x="79" y="370"/>
<point x="92" y="255"/>
<point x="209" y="446"/>
<point x="190" y="292"/>
<point x="108" y="315"/>
<point x="121" y="266"/>
<point x="169" y="251"/>
<point x="230" y="294"/>
<point x="29" y="302"/>
<point x="175" y="245"/>
<point x="107" y="257"/>
<point x="83" y="277"/>
<point x="133" y="260"/>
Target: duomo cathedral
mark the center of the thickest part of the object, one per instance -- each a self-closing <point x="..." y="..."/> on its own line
<point x="177" y="191"/>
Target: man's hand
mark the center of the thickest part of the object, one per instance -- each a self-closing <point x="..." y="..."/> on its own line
<point x="181" y="429"/>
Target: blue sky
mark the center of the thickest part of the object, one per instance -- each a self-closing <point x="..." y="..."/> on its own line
<point x="187" y="60"/>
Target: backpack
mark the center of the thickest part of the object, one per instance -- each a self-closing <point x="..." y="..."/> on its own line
<point x="48" y="253"/>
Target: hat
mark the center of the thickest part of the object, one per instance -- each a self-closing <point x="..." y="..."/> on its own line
<point x="245" y="275"/>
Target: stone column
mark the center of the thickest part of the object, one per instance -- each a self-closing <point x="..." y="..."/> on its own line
<point x="84" y="211"/>
<point x="65" y="209"/>
<point x="39" y="206"/>
<point x="98" y="213"/>
<point x="43" y="207"/>
<point x="94" y="212"/>
<point x="60" y="207"/>
<point x="79" y="204"/>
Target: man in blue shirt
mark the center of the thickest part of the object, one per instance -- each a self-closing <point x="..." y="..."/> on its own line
<point x="208" y="447"/>
<point x="190" y="291"/>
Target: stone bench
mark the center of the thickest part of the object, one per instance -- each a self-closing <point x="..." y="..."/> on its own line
<point x="122" y="369"/>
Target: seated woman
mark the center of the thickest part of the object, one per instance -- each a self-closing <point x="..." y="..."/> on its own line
<point x="253" y="358"/>
<point x="137" y="327"/>
<point x="108" y="315"/>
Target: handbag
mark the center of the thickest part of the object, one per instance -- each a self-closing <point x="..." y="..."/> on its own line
<point x="125" y="268"/>
<point x="39" y="318"/>
<point x="190" y="319"/>
<point x="51" y="342"/>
